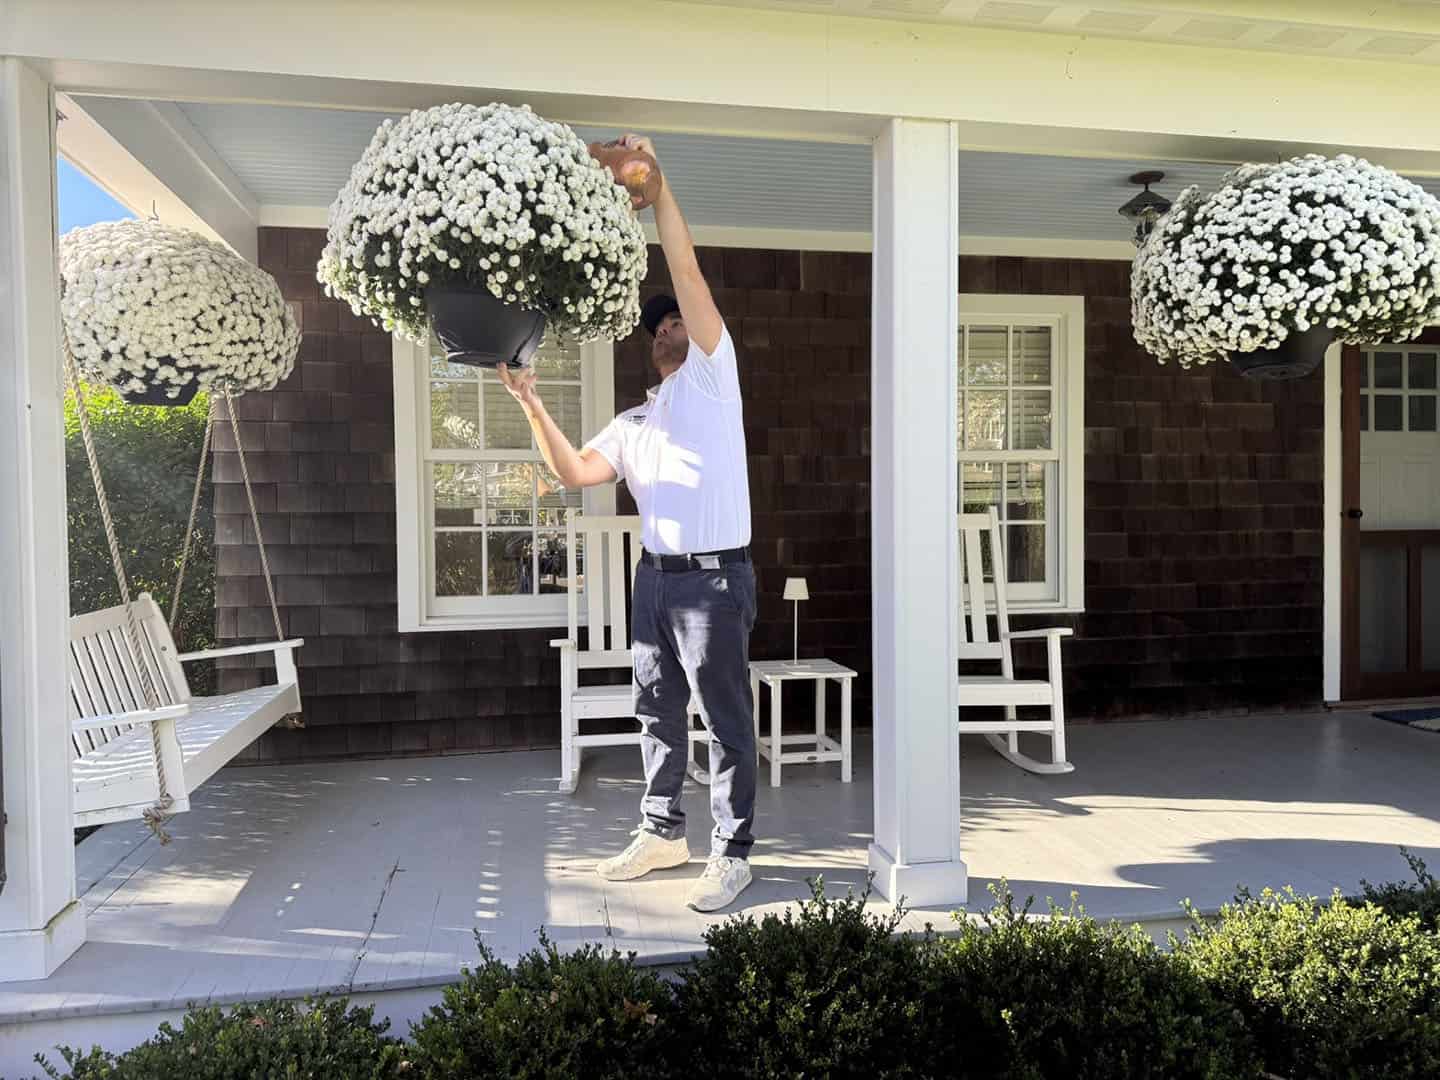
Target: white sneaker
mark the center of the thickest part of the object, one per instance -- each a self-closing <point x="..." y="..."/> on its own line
<point x="724" y="879"/>
<point x="646" y="852"/>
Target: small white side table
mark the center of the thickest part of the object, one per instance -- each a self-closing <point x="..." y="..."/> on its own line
<point x="817" y="747"/>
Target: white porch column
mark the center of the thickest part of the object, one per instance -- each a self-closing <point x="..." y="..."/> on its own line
<point x="916" y="853"/>
<point x="41" y="923"/>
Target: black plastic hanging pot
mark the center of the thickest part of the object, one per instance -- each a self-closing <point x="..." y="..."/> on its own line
<point x="477" y="329"/>
<point x="1298" y="355"/>
<point x="158" y="393"/>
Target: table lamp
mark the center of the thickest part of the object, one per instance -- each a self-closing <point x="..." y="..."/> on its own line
<point x="796" y="590"/>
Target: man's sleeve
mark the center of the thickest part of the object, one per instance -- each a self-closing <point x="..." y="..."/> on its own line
<point x="610" y="444"/>
<point x="716" y="373"/>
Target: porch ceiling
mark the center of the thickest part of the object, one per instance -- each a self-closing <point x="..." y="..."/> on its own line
<point x="295" y="159"/>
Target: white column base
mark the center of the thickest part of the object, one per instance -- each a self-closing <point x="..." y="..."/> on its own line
<point x="35" y="954"/>
<point x="928" y="884"/>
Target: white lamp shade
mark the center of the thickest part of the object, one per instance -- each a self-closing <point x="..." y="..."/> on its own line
<point x="796" y="589"/>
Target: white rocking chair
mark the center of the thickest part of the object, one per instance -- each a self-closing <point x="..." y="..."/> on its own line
<point x="611" y="547"/>
<point x="112" y="769"/>
<point x="1004" y="690"/>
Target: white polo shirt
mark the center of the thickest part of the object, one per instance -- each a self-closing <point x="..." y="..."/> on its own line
<point x="682" y="455"/>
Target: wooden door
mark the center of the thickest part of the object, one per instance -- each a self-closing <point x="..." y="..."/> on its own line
<point x="1390" y="533"/>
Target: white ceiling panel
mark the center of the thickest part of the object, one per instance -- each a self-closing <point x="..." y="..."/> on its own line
<point x="301" y="157"/>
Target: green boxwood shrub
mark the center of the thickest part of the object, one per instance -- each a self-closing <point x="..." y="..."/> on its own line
<point x="310" y="1041"/>
<point x="1328" y="989"/>
<point x="831" y="991"/>
<point x="589" y="1013"/>
<point x="1277" y="985"/>
<point x="1420" y="897"/>
<point x="1023" y="998"/>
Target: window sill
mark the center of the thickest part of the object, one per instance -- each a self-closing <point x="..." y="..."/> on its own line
<point x="1040" y="608"/>
<point x="459" y="623"/>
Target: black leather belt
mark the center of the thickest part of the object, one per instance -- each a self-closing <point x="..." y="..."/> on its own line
<point x="701" y="560"/>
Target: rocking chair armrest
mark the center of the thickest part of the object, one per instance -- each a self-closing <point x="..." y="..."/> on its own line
<point x="140" y="716"/>
<point x="563" y="643"/>
<point x="1049" y="631"/>
<point x="241" y="650"/>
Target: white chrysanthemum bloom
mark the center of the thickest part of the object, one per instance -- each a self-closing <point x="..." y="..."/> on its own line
<point x="148" y="306"/>
<point x="450" y="195"/>
<point x="1311" y="243"/>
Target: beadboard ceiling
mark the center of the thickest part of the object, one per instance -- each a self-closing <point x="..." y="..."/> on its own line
<point x="1397" y="31"/>
<point x="300" y="157"/>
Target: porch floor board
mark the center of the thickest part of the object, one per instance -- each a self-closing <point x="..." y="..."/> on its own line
<point x="369" y="876"/>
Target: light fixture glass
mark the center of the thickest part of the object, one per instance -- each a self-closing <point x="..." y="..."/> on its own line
<point x="1146" y="208"/>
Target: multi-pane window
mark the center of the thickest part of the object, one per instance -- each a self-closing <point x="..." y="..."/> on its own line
<point x="497" y="511"/>
<point x="1013" y="447"/>
<point x="486" y="516"/>
<point x="1399" y="389"/>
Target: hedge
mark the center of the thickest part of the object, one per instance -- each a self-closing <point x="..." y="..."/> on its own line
<point x="1278" y="985"/>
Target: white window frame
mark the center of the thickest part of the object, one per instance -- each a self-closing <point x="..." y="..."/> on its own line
<point x="1405" y="392"/>
<point x="1065" y="521"/>
<point x="419" y="609"/>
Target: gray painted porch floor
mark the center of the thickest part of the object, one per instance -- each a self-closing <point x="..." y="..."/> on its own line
<point x="371" y="876"/>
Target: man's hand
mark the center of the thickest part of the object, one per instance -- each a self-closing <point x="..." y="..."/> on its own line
<point x="644" y="193"/>
<point x="632" y="141"/>
<point x="574" y="468"/>
<point x="521" y="384"/>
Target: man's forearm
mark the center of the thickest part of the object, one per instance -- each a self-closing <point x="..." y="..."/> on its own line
<point x="697" y="306"/>
<point x="555" y="448"/>
<point x="675" y="239"/>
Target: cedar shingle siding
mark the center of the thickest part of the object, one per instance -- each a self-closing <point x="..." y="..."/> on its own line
<point x="1202" y="514"/>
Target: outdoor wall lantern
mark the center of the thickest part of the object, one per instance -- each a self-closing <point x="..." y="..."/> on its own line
<point x="1146" y="208"/>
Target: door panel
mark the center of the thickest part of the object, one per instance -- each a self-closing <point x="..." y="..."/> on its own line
<point x="1390" y="534"/>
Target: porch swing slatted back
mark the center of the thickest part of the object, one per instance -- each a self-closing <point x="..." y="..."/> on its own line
<point x="974" y="640"/>
<point x="608" y="547"/>
<point x="104" y="680"/>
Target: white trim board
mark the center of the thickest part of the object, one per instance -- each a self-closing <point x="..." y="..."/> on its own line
<point x="836" y="74"/>
<point x="724" y="236"/>
<point x="1331" y="599"/>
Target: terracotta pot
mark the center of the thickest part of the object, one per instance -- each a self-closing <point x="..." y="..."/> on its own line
<point x="634" y="170"/>
<point x="479" y="330"/>
<point x="1298" y="355"/>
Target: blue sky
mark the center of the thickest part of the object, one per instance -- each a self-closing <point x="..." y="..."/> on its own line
<point x="81" y="201"/>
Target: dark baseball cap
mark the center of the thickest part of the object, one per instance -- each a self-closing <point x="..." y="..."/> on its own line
<point x="655" y="309"/>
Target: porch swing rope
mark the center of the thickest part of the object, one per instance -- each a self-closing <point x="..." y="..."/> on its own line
<point x="155" y="816"/>
<point x="254" y="515"/>
<point x="190" y="528"/>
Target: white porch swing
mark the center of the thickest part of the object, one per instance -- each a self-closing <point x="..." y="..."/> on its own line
<point x="141" y="742"/>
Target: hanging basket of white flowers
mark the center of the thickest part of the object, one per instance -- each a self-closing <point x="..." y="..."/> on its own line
<point x="161" y="313"/>
<point x="489" y="223"/>
<point x="1284" y="259"/>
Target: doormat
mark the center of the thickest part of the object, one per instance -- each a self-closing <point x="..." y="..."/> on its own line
<point x="1424" y="719"/>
